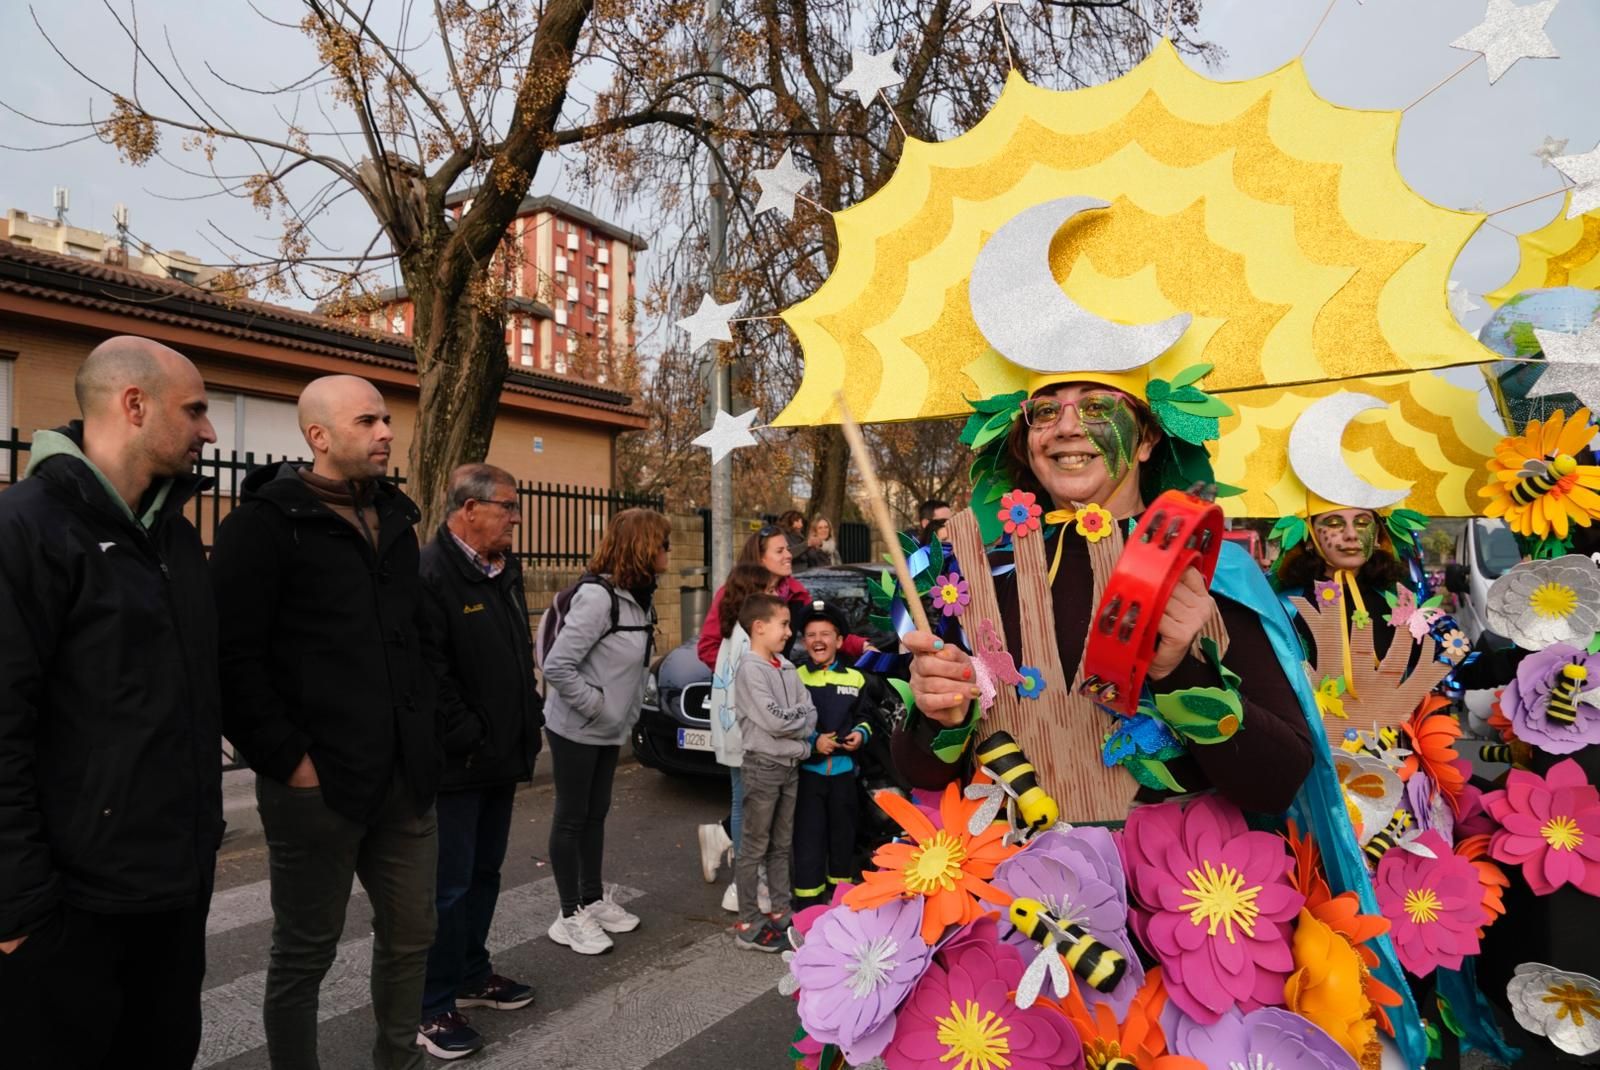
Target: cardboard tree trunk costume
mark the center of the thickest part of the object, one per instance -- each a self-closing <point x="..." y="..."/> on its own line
<point x="1148" y="235"/>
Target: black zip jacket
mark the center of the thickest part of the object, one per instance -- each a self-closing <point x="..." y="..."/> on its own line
<point x="110" y="747"/>
<point x="480" y="649"/>
<point x="320" y="646"/>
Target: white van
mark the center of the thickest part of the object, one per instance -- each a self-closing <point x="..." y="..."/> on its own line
<point x="1485" y="550"/>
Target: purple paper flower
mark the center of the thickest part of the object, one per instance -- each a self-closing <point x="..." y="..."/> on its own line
<point x="1077" y="875"/>
<point x="854" y="969"/>
<point x="1327" y="593"/>
<point x="1270" y="1036"/>
<point x="1213" y="902"/>
<point x="1526" y="700"/>
<point x="1428" y="806"/>
<point x="951" y="594"/>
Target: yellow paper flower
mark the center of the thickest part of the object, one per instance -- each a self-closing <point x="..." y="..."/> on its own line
<point x="1327" y="986"/>
<point x="1537" y="486"/>
<point x="1094" y="523"/>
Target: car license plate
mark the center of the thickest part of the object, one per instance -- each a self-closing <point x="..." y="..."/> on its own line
<point x="694" y="739"/>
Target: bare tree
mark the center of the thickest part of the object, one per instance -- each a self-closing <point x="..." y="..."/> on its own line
<point x="783" y="60"/>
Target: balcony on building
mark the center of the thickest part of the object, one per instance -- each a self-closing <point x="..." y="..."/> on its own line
<point x="604" y="281"/>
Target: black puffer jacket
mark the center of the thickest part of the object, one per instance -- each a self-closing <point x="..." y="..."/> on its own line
<point x="320" y="642"/>
<point x="481" y="651"/>
<point x="110" y="747"/>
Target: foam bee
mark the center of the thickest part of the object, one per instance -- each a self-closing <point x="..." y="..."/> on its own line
<point x="1539" y="477"/>
<point x="1016" y="784"/>
<point x="1062" y="944"/>
<point x="1498" y="753"/>
<point x="1563" y="707"/>
<point x="1390" y="836"/>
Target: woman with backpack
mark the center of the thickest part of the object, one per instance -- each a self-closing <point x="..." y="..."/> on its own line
<point x="594" y="669"/>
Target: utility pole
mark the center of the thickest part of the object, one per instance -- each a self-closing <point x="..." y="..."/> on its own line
<point x="721" y="371"/>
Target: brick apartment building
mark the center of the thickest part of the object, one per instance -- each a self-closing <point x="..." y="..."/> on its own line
<point x="572" y="312"/>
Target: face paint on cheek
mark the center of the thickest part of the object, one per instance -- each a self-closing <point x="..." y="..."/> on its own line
<point x="1115" y="438"/>
<point x="1368" y="537"/>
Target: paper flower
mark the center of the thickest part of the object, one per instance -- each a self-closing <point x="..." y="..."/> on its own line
<point x="1434" y="905"/>
<point x="1330" y="697"/>
<point x="1032" y="685"/>
<point x="1433" y="732"/>
<point x="1077" y="874"/>
<point x="1574" y="492"/>
<point x="944" y="864"/>
<point x="1455" y="645"/>
<point x="1327" y="593"/>
<point x="961" y="1016"/>
<point x="1541" y="602"/>
<point x="1550" y="826"/>
<point x="1526" y="700"/>
<point x="950" y="594"/>
<point x="1019" y="512"/>
<point x="1561" y="1006"/>
<point x="1094" y="523"/>
<point x="1360" y="619"/>
<point x="1325" y="987"/>
<point x="853" y="971"/>
<point x="1268" y="1037"/>
<point x="1213" y="902"/>
<point x="1138" y="1039"/>
<point x="1491" y="878"/>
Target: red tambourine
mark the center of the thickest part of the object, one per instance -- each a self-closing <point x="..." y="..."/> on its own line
<point x="1179" y="530"/>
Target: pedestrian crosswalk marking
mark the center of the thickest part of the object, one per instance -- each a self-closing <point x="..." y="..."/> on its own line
<point x="232" y="1012"/>
<point x="247" y="904"/>
<point x="631" y="1024"/>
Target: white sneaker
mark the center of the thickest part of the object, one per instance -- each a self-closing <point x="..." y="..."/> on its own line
<point x="581" y="932"/>
<point x="714" y="843"/>
<point x="610" y="916"/>
<point x="730" y="899"/>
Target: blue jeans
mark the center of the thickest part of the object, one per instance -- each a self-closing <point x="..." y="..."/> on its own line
<point x="736" y="811"/>
<point x="474" y="826"/>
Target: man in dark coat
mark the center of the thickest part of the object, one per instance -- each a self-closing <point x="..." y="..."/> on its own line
<point x="327" y="696"/>
<point x="481" y="651"/>
<point x="110" y="747"/>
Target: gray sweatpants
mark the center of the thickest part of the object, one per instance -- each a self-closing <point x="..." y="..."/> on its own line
<point x="770" y="787"/>
<point x="313" y="854"/>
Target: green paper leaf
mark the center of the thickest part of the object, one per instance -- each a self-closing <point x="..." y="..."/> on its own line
<point x="1152" y="774"/>
<point x="1192" y="374"/>
<point x="1202" y="715"/>
<point x="1289" y="532"/>
<point x="908" y="545"/>
<point x="1204" y="405"/>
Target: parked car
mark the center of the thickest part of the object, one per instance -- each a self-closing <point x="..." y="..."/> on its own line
<point x="674" y="729"/>
<point x="1485" y="550"/>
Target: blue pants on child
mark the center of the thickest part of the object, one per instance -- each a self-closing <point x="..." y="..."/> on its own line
<point x="825" y="816"/>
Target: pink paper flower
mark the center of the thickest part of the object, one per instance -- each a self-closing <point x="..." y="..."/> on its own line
<point x="1213" y="902"/>
<point x="1434" y="905"/>
<point x="1020" y="512"/>
<point x="961" y="1016"/>
<point x="950" y="594"/>
<point x="1550" y="826"/>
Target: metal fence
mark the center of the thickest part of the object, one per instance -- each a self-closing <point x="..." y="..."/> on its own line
<point x="561" y="525"/>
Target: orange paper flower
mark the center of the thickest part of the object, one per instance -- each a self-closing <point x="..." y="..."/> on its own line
<point x="1574" y="494"/>
<point x="1138" y="1039"/>
<point x="1433" y="733"/>
<point x="1308" y="878"/>
<point x="945" y="865"/>
<point x="1475" y="849"/>
<point x="1326" y="986"/>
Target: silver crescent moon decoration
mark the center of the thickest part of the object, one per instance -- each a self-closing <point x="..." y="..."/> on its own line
<point x="1316" y="453"/>
<point x="1029" y="319"/>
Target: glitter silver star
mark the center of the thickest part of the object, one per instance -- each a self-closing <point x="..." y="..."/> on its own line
<point x="780" y="185"/>
<point x="1550" y="148"/>
<point x="1572" y="365"/>
<point x="1460" y="300"/>
<point x="1509" y="33"/>
<point x="710" y="321"/>
<point x="868" y="74"/>
<point x="980" y="7"/>
<point x="728" y="433"/>
<point x="1584" y="172"/>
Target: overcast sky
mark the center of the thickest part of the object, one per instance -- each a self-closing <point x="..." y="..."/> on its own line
<point x="1469" y="144"/>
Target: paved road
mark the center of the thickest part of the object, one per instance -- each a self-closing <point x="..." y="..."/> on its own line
<point x="673" y="995"/>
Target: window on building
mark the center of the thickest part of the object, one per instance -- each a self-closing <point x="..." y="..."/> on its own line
<point x="588" y="262"/>
<point x="7" y="362"/>
<point x="560" y="226"/>
<point x="185" y="276"/>
<point x="397" y="323"/>
<point x="254" y="425"/>
<point x="588" y="287"/>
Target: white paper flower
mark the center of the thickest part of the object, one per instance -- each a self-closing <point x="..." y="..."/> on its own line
<point x="1561" y="1006"/>
<point x="1542" y="602"/>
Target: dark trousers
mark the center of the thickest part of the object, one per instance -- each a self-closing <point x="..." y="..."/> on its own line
<point x="583" y="774"/>
<point x="767" y="834"/>
<point x="473" y="829"/>
<point x="90" y="990"/>
<point x="313" y="855"/>
<point x="824" y="835"/>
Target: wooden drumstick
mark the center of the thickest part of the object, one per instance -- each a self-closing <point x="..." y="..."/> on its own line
<point x="880" y="515"/>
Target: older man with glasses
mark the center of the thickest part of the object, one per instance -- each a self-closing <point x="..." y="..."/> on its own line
<point x="479" y="645"/>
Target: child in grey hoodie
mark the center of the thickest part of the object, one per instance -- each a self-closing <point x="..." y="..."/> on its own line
<point x="776" y="720"/>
